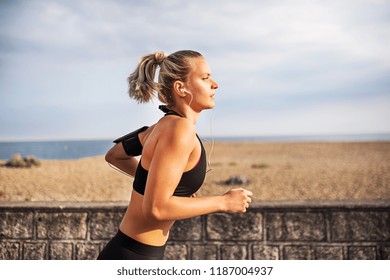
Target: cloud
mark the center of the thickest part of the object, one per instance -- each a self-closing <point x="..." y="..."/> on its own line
<point x="273" y="57"/>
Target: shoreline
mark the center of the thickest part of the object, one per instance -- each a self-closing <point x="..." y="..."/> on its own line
<point x="276" y="171"/>
<point x="78" y="149"/>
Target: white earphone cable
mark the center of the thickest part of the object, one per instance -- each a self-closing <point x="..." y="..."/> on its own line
<point x="117" y="169"/>
<point x="212" y="138"/>
<point x="212" y="141"/>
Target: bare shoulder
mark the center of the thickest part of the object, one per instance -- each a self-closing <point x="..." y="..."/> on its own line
<point x="177" y="131"/>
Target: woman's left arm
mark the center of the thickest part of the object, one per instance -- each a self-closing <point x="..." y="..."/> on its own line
<point x="166" y="168"/>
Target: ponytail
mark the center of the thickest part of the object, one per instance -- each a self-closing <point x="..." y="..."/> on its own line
<point x="142" y="87"/>
<point x="174" y="67"/>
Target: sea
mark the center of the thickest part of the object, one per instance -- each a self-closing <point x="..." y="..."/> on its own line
<point x="76" y="149"/>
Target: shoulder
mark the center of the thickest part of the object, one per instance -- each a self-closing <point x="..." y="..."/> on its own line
<point x="176" y="130"/>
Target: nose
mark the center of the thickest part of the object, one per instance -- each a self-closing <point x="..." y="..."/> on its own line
<point x="214" y="85"/>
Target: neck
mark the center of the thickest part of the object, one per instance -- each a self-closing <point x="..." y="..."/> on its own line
<point x="187" y="112"/>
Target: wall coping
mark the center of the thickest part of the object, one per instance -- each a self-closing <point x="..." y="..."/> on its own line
<point x="266" y="205"/>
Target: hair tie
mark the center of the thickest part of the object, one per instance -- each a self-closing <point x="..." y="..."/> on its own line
<point x="160" y="57"/>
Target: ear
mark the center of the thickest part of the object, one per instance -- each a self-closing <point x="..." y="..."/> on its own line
<point x="178" y="88"/>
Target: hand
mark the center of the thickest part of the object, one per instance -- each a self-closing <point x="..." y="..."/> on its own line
<point x="236" y="200"/>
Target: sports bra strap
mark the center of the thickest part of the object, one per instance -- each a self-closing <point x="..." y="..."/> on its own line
<point x="164" y="108"/>
<point x="168" y="111"/>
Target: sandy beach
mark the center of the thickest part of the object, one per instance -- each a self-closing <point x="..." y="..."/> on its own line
<point x="275" y="171"/>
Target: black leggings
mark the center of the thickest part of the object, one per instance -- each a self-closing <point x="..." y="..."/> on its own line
<point x="123" y="247"/>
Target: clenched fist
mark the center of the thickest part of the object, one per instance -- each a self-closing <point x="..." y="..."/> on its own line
<point x="237" y="200"/>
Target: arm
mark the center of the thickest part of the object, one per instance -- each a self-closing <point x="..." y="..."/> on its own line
<point x="169" y="160"/>
<point x="118" y="158"/>
<point x="122" y="154"/>
<point x="177" y="208"/>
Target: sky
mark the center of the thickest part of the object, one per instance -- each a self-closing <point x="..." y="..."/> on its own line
<point x="283" y="67"/>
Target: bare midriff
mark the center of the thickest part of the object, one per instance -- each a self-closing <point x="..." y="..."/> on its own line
<point x="135" y="225"/>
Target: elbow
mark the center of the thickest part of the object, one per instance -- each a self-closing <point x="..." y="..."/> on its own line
<point x="116" y="153"/>
<point x="109" y="156"/>
<point x="112" y="155"/>
<point x="153" y="213"/>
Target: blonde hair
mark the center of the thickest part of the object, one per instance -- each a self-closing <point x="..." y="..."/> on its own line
<point x="173" y="67"/>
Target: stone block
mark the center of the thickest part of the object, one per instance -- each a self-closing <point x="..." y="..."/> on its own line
<point x="188" y="229"/>
<point x="234" y="252"/>
<point x="87" y="251"/>
<point x="297" y="252"/>
<point x="234" y="227"/>
<point x="264" y="252"/>
<point x="35" y="251"/>
<point x="61" y="251"/>
<point x="176" y="252"/>
<point x="385" y="253"/>
<point x="9" y="250"/>
<point x="204" y="252"/>
<point x="328" y="253"/>
<point x="361" y="253"/>
<point x="296" y="226"/>
<point x="104" y="225"/>
<point x="16" y="225"/>
<point x="360" y="226"/>
<point x="64" y="226"/>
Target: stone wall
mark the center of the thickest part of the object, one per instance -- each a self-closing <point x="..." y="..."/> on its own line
<point x="269" y="230"/>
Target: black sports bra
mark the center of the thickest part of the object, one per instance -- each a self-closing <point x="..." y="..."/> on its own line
<point x="191" y="180"/>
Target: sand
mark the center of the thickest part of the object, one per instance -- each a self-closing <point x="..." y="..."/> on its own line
<point x="276" y="171"/>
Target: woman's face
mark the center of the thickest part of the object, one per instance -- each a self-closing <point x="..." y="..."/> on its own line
<point x="200" y="84"/>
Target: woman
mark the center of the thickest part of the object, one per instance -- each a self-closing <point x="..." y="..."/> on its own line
<point x="173" y="163"/>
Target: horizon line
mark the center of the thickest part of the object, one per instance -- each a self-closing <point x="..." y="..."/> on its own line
<point x="350" y="136"/>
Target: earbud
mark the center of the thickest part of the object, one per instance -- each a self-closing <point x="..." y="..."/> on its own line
<point x="184" y="90"/>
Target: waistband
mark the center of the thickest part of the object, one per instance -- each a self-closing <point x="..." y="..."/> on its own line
<point x="138" y="247"/>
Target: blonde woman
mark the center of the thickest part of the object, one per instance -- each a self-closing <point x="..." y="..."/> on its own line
<point x="172" y="166"/>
